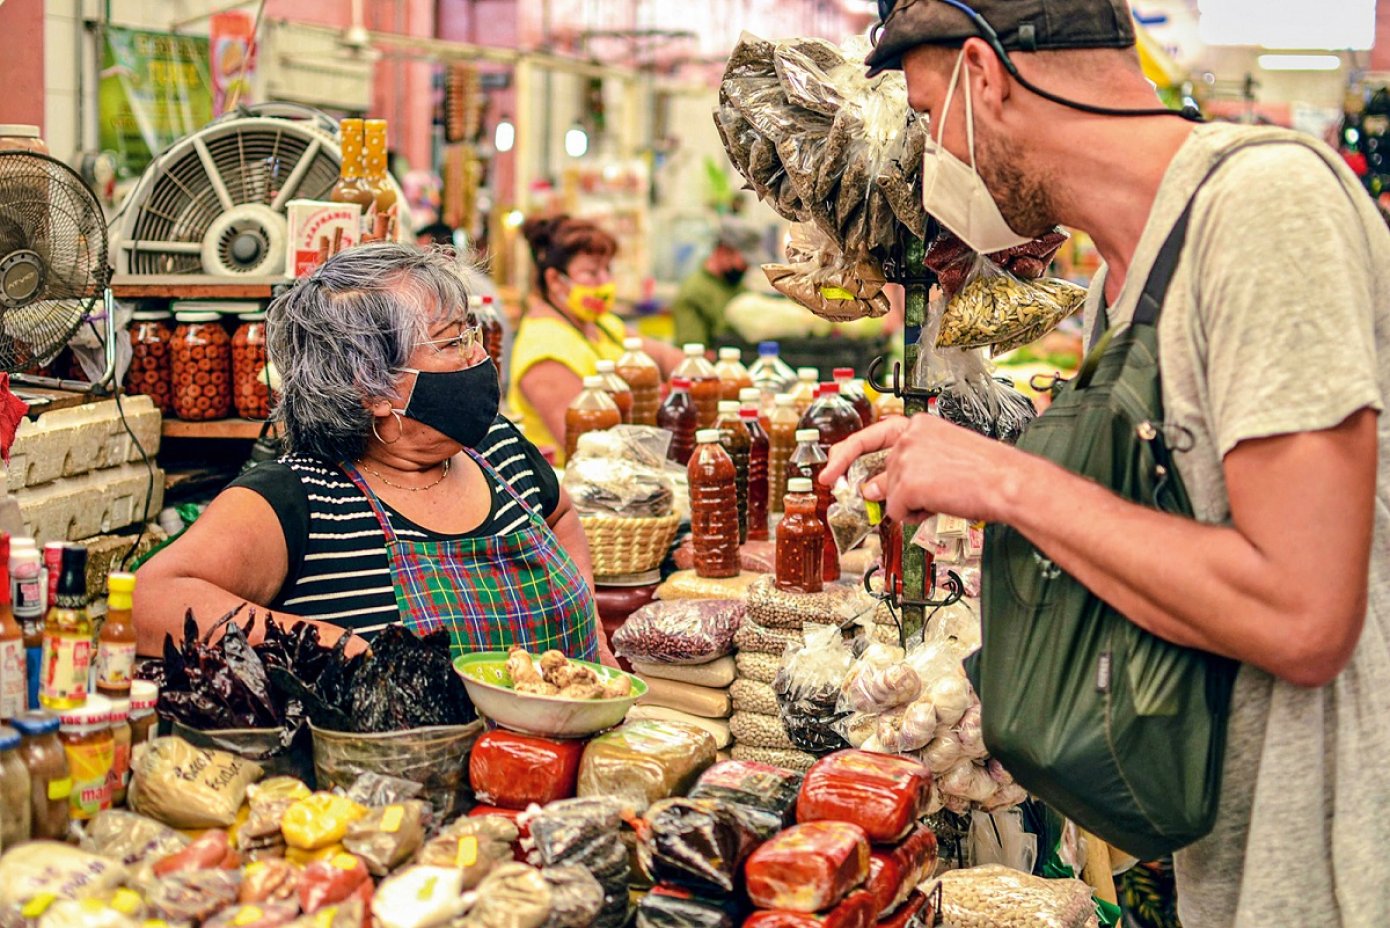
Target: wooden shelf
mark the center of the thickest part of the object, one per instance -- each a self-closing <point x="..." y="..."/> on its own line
<point x="246" y="429"/>
<point x="196" y="287"/>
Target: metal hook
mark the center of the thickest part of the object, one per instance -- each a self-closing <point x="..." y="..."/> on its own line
<point x="896" y="389"/>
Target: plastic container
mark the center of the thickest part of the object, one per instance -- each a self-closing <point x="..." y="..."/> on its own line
<point x="116" y="642"/>
<point x="16" y="812"/>
<point x="120" y="763"/>
<point x="770" y="374"/>
<point x="758" y="447"/>
<point x="804" y="390"/>
<point x="679" y="416"/>
<point x="50" y="783"/>
<point x="643" y="377"/>
<point x="781" y="436"/>
<point x="733" y="376"/>
<point x="432" y="757"/>
<point x="853" y="391"/>
<point x="617" y="389"/>
<point x="832" y="416"/>
<point x="736" y="440"/>
<point x="91" y="751"/>
<point x="704" y="383"/>
<point x="202" y="367"/>
<point x="808" y="460"/>
<point x="250" y="389"/>
<point x="485" y="315"/>
<point x="151" y="372"/>
<point x="713" y="508"/>
<point x="144" y="725"/>
<point x="800" y="540"/>
<point x="593" y="410"/>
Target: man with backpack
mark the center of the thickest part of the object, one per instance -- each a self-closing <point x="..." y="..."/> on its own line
<point x="1261" y="272"/>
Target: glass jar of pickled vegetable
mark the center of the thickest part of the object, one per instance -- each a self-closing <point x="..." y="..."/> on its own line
<point x="149" y="372"/>
<point x="251" y="391"/>
<point x="202" y="367"/>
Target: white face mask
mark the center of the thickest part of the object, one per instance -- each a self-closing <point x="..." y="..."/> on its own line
<point x="955" y="194"/>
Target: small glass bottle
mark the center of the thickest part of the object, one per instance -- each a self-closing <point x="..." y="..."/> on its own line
<point x="116" y="642"/>
<point x="733" y="376"/>
<point x="808" y="460"/>
<point x="122" y="739"/>
<point x="85" y="732"/>
<point x="202" y="367"/>
<point x="736" y="440"/>
<point x="50" y="783"/>
<point x="832" y="416"/>
<point x="352" y="185"/>
<point x="800" y="540"/>
<point x="250" y="388"/>
<point x="593" y="410"/>
<point x="853" y="391"/>
<point x="713" y="508"/>
<point x="643" y="377"/>
<point x="781" y="434"/>
<point x="150" y="372"/>
<point x="770" y="373"/>
<point x="804" y="390"/>
<point x="14" y="687"/>
<point x="704" y="383"/>
<point x="616" y="388"/>
<point x="374" y="165"/>
<point x="679" y="416"/>
<point x="757" y="468"/>
<point x="16" y="809"/>
<point x="67" y="636"/>
<point x="144" y="724"/>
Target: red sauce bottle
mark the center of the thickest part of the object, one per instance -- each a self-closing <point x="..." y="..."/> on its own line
<point x="713" y="508"/>
<point x="832" y="416"/>
<point x="808" y="460"/>
<point x="735" y="439"/>
<point x="733" y="376"/>
<point x="704" y="383"/>
<point x="643" y="377"/>
<point x="853" y="390"/>
<point x="616" y="388"/>
<point x="758" y="451"/>
<point x="679" y="416"/>
<point x="800" y="540"/>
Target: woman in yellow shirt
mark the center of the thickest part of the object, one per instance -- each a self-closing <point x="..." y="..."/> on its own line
<point x="568" y="326"/>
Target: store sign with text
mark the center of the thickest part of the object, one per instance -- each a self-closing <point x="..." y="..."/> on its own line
<point x="154" y="90"/>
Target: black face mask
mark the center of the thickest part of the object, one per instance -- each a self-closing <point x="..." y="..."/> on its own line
<point x="734" y="276"/>
<point x="460" y="405"/>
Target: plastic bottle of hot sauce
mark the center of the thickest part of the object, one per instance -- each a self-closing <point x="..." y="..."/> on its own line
<point x="713" y="508"/>
<point x="616" y="388"/>
<point x="853" y="390"/>
<point x="593" y="410"/>
<point x="800" y="540"/>
<point x="643" y="377"/>
<point x="757" y="465"/>
<point x="736" y="440"/>
<point x="832" y="416"/>
<point x="14" y="692"/>
<point x="733" y="376"/>
<point x="781" y="436"/>
<point x="116" y="643"/>
<point x="808" y="460"/>
<point x="752" y="397"/>
<point x="804" y="391"/>
<point x="679" y="416"/>
<point x="704" y="383"/>
<point x="67" y="636"/>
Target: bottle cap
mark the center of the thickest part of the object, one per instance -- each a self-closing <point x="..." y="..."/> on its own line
<point x="487" y="299"/>
<point x="144" y="694"/>
<point x="748" y="412"/>
<point x="728" y="405"/>
<point x="767" y="349"/>
<point x="799" y="485"/>
<point x="21" y="541"/>
<point x="9" y="738"/>
<point x="784" y="399"/>
<point x="694" y="348"/>
<point x="120" y="710"/>
<point x="605" y="367"/>
<point x="807" y="435"/>
<point x="843" y="373"/>
<point x="808" y="374"/>
<point x="632" y="344"/>
<point x="829" y="389"/>
<point x="730" y="354"/>
<point x="750" y="395"/>
<point x="593" y="383"/>
<point x="680" y="383"/>
<point x="120" y="583"/>
<point x="37" y="722"/>
<point x="94" y="715"/>
<point x="707" y="436"/>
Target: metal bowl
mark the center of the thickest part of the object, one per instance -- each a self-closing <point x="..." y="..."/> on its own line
<point x="489" y="686"/>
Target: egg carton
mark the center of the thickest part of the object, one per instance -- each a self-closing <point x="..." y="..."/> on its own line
<point x="94" y="503"/>
<point x="81" y="439"/>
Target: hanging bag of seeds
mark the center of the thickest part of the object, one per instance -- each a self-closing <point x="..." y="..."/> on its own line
<point x="827" y="282"/>
<point x="968" y="392"/>
<point x="1000" y="311"/>
<point x="808" y="689"/>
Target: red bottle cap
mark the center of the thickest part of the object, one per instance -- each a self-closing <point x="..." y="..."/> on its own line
<point x="843" y="373"/>
<point x="680" y="383"/>
<point x="828" y="389"/>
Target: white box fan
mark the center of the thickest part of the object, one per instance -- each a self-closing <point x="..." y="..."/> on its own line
<point x="213" y="204"/>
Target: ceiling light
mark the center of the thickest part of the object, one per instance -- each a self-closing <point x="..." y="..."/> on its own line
<point x="514" y="219"/>
<point x="576" y="141"/>
<point x="1300" y="62"/>
<point x="505" y="135"/>
<point x="1288" y="23"/>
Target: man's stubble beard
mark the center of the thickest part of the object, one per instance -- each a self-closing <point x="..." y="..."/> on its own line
<point x="1024" y="198"/>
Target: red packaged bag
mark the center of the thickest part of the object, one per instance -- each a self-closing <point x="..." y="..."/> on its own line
<point x="894" y="873"/>
<point x="808" y="868"/>
<point x="857" y="911"/>
<point x="513" y="816"/>
<point x="881" y="793"/>
<point x="340" y="877"/>
<point x="916" y="906"/>
<point x="512" y="770"/>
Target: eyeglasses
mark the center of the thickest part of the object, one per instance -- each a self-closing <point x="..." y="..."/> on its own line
<point x="461" y="347"/>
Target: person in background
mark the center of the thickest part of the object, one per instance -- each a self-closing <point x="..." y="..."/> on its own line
<point x="568" y="325"/>
<point x="436" y="233"/>
<point x="698" y="308"/>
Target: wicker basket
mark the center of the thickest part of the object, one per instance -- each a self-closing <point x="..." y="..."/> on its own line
<point x="628" y="546"/>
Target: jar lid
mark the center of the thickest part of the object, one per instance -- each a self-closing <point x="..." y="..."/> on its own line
<point x="9" y="738"/>
<point x="197" y="317"/>
<point x="222" y="307"/>
<point x="143" y="695"/>
<point x="799" y="485"/>
<point x="252" y="317"/>
<point x="120" y="710"/>
<point x="37" y="722"/>
<point x="707" y="436"/>
<point x="807" y="435"/>
<point x="94" y="715"/>
<point x="728" y="405"/>
<point x="16" y="131"/>
<point x="150" y="315"/>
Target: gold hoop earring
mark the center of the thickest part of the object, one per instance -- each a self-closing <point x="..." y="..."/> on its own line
<point x="400" y="427"/>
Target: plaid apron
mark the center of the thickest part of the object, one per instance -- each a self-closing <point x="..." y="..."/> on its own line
<point x="491" y="592"/>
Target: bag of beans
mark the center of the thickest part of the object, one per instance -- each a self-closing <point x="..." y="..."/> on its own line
<point x="681" y="632"/>
<point x="187" y="787"/>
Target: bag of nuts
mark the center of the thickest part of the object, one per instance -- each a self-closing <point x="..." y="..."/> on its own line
<point x="1001" y="311"/>
<point x="997" y="897"/>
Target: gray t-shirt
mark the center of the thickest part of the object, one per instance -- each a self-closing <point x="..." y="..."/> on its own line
<point x="1278" y="321"/>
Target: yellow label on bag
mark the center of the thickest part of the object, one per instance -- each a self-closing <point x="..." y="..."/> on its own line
<point x="345" y="862"/>
<point x="391" y="819"/>
<point x="836" y="293"/>
<point x="467" y="854"/>
<point x="249" y="915"/>
<point x="38" y="905"/>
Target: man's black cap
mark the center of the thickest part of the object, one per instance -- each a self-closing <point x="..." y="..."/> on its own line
<point x="1022" y="25"/>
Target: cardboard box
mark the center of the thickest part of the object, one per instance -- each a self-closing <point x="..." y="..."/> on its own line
<point x="310" y="222"/>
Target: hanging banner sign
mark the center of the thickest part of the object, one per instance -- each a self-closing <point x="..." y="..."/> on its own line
<point x="154" y="90"/>
<point x="233" y="50"/>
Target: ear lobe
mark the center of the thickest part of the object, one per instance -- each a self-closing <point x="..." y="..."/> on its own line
<point x="992" y="85"/>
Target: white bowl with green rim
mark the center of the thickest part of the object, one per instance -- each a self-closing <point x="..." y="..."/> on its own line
<point x="489" y="685"/>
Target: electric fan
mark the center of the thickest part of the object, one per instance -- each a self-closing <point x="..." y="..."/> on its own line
<point x="53" y="266"/>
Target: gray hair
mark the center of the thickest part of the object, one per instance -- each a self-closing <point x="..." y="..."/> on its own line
<point x="339" y="337"/>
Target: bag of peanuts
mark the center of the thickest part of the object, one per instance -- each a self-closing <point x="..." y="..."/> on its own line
<point x="997" y="897"/>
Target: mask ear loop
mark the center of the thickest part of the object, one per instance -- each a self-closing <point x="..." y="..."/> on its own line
<point x="969" y="114"/>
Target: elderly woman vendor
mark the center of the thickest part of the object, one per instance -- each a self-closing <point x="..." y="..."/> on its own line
<point x="404" y="497"/>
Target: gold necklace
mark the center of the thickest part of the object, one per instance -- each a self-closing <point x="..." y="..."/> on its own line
<point x="382" y="477"/>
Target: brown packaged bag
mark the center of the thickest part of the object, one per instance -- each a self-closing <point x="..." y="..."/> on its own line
<point x="187" y="787"/>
